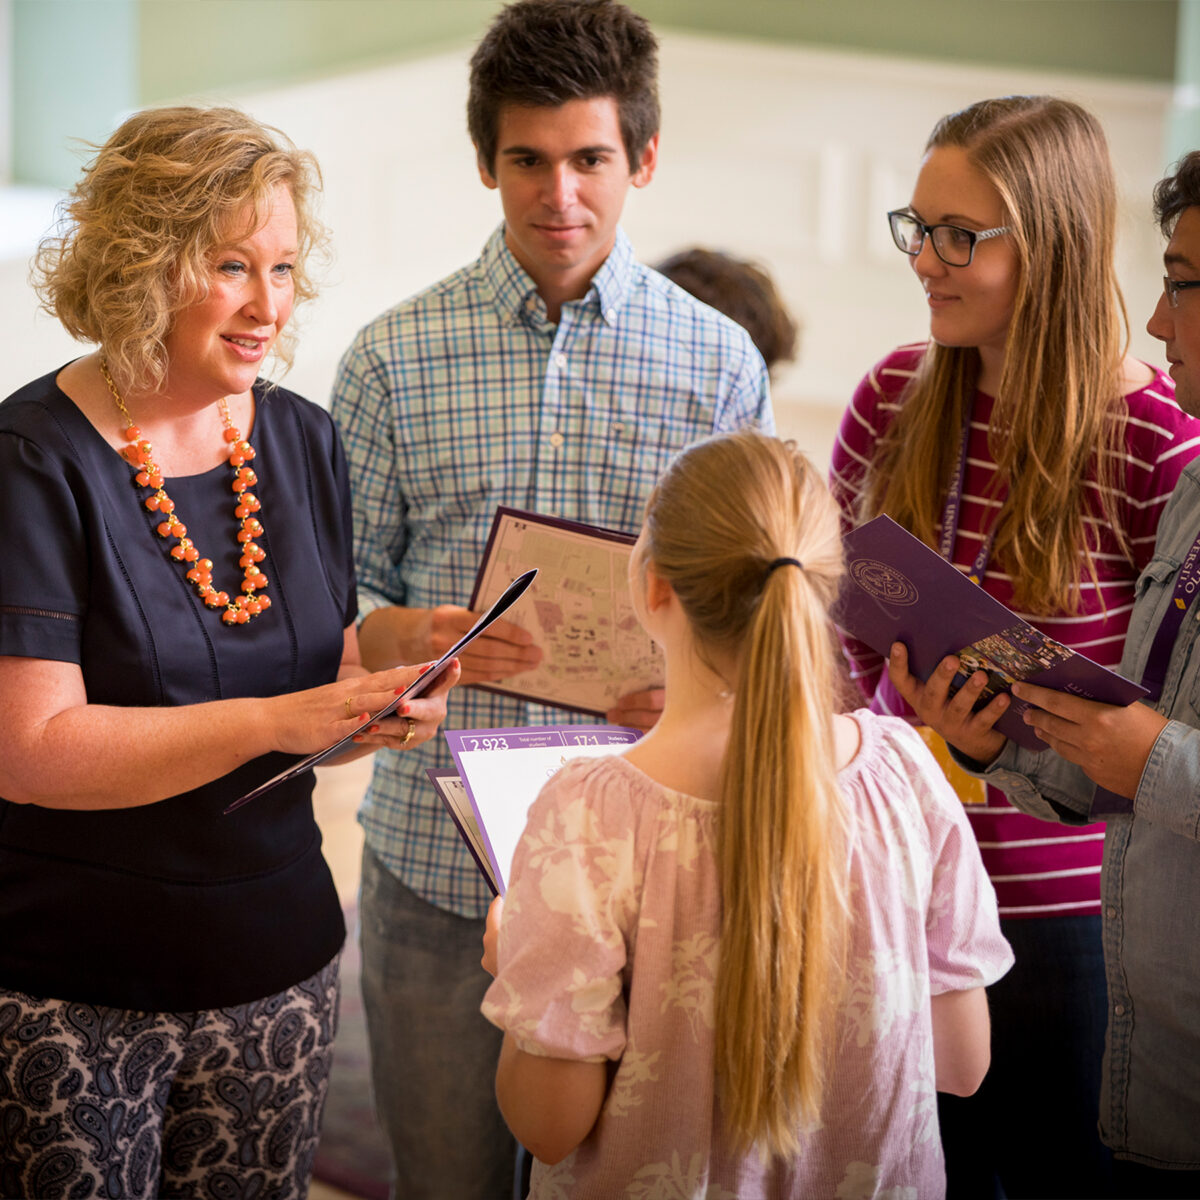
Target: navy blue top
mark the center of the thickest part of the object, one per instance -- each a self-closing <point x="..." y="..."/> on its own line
<point x="169" y="906"/>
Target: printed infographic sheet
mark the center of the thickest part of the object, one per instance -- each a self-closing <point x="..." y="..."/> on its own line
<point x="503" y="770"/>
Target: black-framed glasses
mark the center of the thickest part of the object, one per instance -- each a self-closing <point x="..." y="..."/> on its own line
<point x="1172" y="288"/>
<point x="954" y="245"/>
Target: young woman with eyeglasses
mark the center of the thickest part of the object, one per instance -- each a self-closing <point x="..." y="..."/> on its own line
<point x="1024" y="444"/>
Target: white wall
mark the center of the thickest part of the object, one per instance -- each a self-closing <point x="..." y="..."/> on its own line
<point x="788" y="155"/>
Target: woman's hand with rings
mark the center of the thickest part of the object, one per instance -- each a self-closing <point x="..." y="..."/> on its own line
<point x="314" y="719"/>
<point x="416" y="720"/>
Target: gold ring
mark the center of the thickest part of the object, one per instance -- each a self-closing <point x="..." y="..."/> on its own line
<point x="412" y="725"/>
<point x="349" y="714"/>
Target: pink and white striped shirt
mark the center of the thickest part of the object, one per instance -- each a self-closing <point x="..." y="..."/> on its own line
<point x="1038" y="869"/>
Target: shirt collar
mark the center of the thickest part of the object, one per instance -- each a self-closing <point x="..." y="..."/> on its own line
<point x="513" y="288"/>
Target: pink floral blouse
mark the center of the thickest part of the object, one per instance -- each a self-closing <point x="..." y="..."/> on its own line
<point x="608" y="951"/>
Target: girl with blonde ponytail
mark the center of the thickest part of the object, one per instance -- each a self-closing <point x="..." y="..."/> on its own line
<point x="738" y="960"/>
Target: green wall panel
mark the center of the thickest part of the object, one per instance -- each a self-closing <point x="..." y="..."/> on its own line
<point x="1184" y="131"/>
<point x="72" y="77"/>
<point x="190" y="46"/>
<point x="1125" y="38"/>
<point x="78" y="64"/>
<point x="193" y="46"/>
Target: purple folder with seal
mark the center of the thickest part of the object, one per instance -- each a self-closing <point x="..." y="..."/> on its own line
<point x="899" y="590"/>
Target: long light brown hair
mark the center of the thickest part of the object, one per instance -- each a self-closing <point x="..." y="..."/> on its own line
<point x="138" y="230"/>
<point x="1059" y="417"/>
<point x="725" y="510"/>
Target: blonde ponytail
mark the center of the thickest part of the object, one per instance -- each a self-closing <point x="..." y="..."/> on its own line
<point x="781" y="841"/>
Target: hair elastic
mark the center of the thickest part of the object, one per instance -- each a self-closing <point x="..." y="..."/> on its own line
<point x="783" y="562"/>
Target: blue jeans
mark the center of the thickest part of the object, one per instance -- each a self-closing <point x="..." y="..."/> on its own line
<point x="433" y="1056"/>
<point x="1031" y="1129"/>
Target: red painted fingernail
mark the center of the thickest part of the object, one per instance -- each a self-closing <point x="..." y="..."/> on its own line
<point x="362" y="717"/>
<point x="357" y="737"/>
<point x="404" y="709"/>
<point x="373" y="729"/>
<point x="398" y="692"/>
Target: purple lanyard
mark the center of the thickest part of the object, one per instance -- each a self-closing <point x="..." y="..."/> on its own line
<point x="950" y="513"/>
<point x="1159" y="659"/>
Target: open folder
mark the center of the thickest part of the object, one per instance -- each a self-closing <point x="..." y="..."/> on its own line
<point x="418" y="688"/>
<point x="501" y="772"/>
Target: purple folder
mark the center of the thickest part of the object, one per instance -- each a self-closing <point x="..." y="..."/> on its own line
<point x="899" y="590"/>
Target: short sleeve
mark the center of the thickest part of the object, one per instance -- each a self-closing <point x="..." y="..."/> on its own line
<point x="568" y="917"/>
<point x="962" y="922"/>
<point x="342" y="535"/>
<point x="42" y="547"/>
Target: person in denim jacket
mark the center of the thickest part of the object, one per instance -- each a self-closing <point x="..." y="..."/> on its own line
<point x="1139" y="767"/>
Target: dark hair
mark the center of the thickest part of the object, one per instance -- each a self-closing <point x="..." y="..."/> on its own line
<point x="1177" y="192"/>
<point x="743" y="292"/>
<point x="542" y="53"/>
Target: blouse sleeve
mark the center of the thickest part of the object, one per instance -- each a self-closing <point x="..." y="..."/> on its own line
<point x="342" y="526"/>
<point x="566" y="930"/>
<point x="962" y="923"/>
<point x="42" y="546"/>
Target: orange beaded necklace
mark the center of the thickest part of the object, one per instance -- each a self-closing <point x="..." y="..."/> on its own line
<point x="140" y="455"/>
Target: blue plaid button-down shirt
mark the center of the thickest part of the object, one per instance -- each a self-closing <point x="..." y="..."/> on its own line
<point x="465" y="398"/>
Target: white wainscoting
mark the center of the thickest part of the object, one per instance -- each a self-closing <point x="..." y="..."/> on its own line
<point x="789" y="155"/>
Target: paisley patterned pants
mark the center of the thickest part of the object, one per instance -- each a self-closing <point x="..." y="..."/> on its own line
<point x="223" y="1103"/>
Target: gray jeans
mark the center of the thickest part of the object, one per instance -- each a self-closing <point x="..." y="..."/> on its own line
<point x="433" y="1056"/>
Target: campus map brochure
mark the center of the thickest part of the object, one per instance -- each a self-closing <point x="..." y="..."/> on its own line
<point x="452" y="792"/>
<point x="899" y="590"/>
<point x="414" y="691"/>
<point x="504" y="769"/>
<point x="579" y="611"/>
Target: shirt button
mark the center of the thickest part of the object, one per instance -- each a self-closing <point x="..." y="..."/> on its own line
<point x="611" y="316"/>
<point x="531" y="303"/>
<point x="1110" y="912"/>
<point x="1119" y="1009"/>
<point x="556" y="439"/>
<point x="560" y="361"/>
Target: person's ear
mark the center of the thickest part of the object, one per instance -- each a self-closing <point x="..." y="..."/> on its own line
<point x="485" y="174"/>
<point x="658" y="590"/>
<point x="647" y="163"/>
